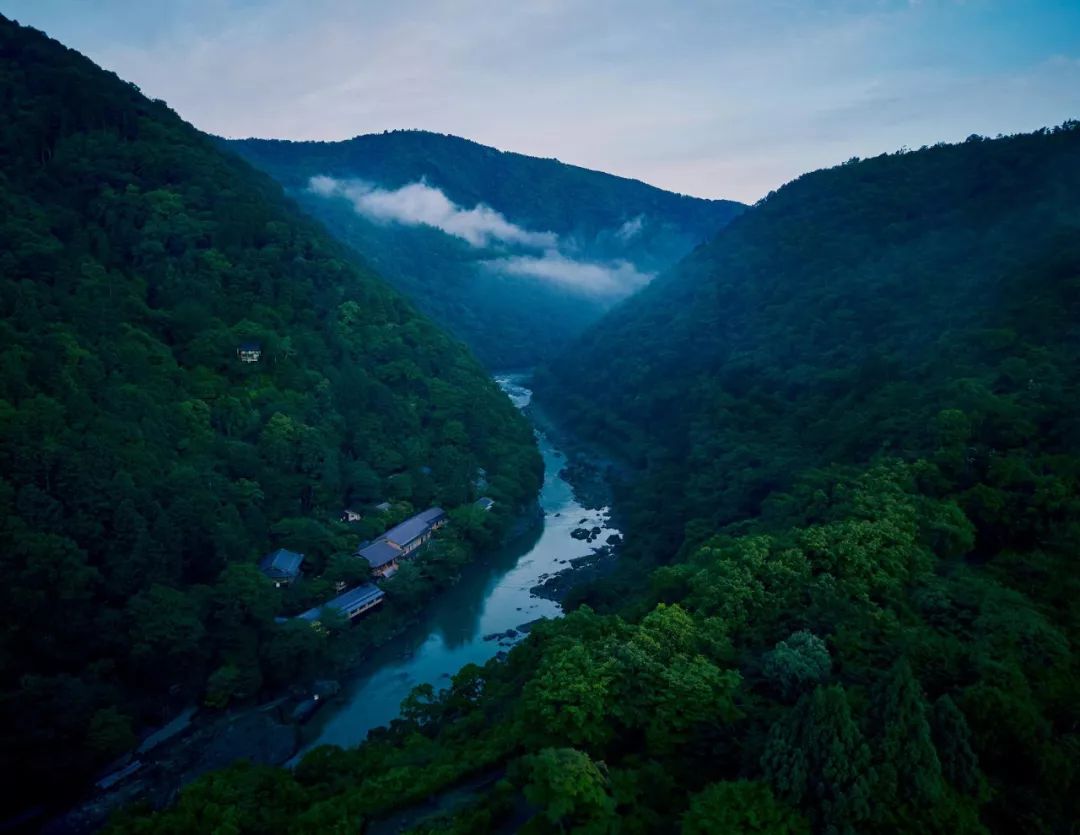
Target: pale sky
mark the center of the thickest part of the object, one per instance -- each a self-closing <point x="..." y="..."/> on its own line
<point x="729" y="98"/>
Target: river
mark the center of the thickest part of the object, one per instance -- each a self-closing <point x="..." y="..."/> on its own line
<point x="493" y="596"/>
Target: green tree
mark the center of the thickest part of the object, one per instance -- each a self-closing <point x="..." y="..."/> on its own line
<point x="908" y="767"/>
<point x="741" y="807"/>
<point x="817" y="759"/>
<point x="798" y="662"/>
<point x="570" y="697"/>
<point x="570" y="789"/>
<point x="952" y="740"/>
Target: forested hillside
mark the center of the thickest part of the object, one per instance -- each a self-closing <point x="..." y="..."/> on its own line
<point x="853" y="313"/>
<point x="847" y="601"/>
<point x="567" y="242"/>
<point x="145" y="466"/>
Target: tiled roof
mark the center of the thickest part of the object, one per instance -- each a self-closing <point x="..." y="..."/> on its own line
<point x="281" y="563"/>
<point x="379" y="553"/>
<point x="347" y="601"/>
<point x="414" y="527"/>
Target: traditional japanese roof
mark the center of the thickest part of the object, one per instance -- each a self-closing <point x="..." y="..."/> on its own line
<point x="484" y="503"/>
<point x="354" y="598"/>
<point x="408" y="530"/>
<point x="281" y="564"/>
<point x="432" y="515"/>
<point x="379" y="553"/>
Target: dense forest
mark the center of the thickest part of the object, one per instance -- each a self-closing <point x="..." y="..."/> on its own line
<point x="146" y="468"/>
<point x="597" y="223"/>
<point x="847" y="599"/>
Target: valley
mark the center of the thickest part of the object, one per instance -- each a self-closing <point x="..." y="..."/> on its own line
<point x="494" y="605"/>
<point x="777" y="534"/>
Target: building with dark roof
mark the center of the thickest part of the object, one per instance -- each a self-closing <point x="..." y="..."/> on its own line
<point x="485" y="503"/>
<point x="382" y="556"/>
<point x="416" y="530"/>
<point x="351" y="604"/>
<point x="282" y="566"/>
<point x="401" y="540"/>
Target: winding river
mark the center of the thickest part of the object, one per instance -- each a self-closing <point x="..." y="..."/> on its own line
<point x="493" y="596"/>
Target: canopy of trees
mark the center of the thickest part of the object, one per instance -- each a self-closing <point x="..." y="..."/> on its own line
<point x="144" y="468"/>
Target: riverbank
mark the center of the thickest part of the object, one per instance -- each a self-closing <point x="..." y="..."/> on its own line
<point x="591" y="474"/>
<point x="490" y="608"/>
<point x="495" y="598"/>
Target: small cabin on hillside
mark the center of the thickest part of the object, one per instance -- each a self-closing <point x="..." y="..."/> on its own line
<point x="350" y="515"/>
<point x="282" y="566"/>
<point x="249" y="351"/>
<point x="484" y="503"/>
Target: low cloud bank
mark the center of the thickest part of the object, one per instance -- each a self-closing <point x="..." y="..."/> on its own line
<point x="481" y="226"/>
<point x="419" y="203"/>
<point x="619" y="278"/>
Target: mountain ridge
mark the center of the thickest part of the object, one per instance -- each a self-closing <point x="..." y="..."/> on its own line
<point x="514" y="254"/>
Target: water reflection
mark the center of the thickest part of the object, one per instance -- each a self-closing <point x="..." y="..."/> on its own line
<point x="492" y="596"/>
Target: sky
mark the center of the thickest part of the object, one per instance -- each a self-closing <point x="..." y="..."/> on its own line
<point x="714" y="98"/>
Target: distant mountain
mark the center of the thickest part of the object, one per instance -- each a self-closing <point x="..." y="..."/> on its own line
<point x="515" y="255"/>
<point x="192" y="373"/>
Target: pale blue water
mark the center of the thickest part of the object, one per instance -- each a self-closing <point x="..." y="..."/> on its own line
<point x="492" y="596"/>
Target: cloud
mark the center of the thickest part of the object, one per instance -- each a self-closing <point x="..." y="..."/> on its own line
<point x="630" y="229"/>
<point x="615" y="279"/>
<point x="418" y="203"/>
<point x="481" y="226"/>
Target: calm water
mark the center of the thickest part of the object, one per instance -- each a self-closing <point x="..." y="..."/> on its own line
<point x="493" y="596"/>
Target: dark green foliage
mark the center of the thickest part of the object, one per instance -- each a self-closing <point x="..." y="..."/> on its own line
<point x="510" y="322"/>
<point x="818" y="759"/>
<point x="145" y="468"/>
<point x="570" y="790"/>
<point x="952" y="740"/>
<point x="916" y="303"/>
<point x="909" y="771"/>
<point x="245" y="800"/>
<point x="740" y="806"/>
<point x="919" y="306"/>
<point x="800" y="660"/>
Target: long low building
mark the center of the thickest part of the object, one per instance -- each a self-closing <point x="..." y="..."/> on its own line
<point x="350" y="603"/>
<point x="401" y="540"/>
